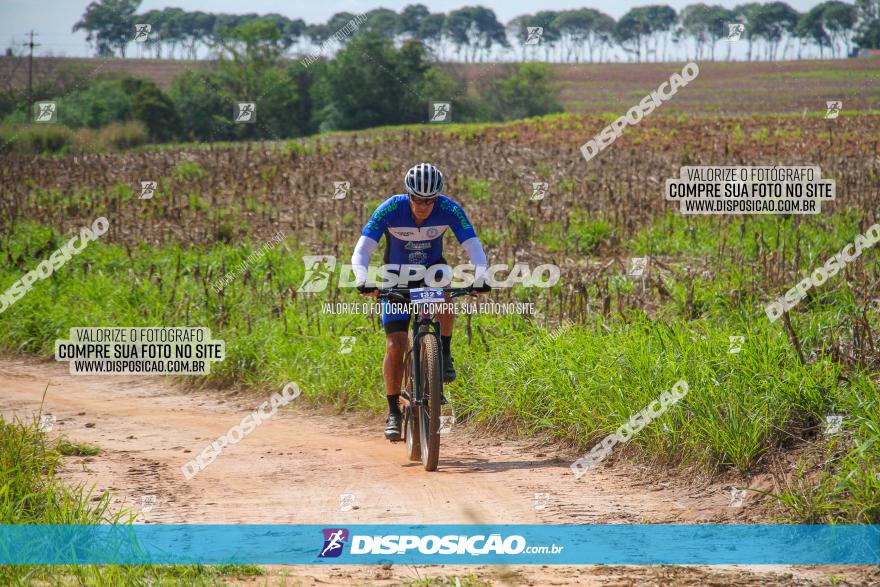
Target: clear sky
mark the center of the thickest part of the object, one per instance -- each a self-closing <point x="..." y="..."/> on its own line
<point x="54" y="19"/>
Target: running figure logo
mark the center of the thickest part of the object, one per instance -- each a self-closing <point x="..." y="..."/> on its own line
<point x="142" y="32"/>
<point x="440" y="112"/>
<point x="45" y="112"/>
<point x="319" y="268"/>
<point x="539" y="190"/>
<point x="334" y="541"/>
<point x="833" y="109"/>
<point x="340" y="189"/>
<point x="735" y="31"/>
<point x="246" y="112"/>
<point x="534" y="35"/>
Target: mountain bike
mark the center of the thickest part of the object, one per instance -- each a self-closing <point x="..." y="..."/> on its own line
<point x="422" y="398"/>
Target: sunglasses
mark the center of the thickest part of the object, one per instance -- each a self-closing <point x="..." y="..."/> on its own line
<point x="422" y="201"/>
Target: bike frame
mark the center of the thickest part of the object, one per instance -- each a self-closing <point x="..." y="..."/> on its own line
<point x="422" y="318"/>
<point x="433" y="329"/>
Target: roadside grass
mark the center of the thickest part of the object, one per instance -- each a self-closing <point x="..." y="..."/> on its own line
<point x="31" y="493"/>
<point x="577" y="383"/>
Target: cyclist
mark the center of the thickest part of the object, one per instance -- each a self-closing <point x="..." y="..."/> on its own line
<point x="413" y="225"/>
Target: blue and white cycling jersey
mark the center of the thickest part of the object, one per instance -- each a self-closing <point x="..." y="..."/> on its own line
<point x="417" y="245"/>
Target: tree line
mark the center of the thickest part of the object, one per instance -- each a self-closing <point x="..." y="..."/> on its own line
<point x="656" y="32"/>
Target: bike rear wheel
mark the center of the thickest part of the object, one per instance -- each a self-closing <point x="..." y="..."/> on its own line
<point x="410" y="415"/>
<point x="429" y="410"/>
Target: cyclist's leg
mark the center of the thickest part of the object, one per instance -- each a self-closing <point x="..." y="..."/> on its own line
<point x="396" y="345"/>
<point x="446" y="320"/>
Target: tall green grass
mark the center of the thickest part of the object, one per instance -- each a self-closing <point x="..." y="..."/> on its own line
<point x="578" y="386"/>
<point x="31" y="493"/>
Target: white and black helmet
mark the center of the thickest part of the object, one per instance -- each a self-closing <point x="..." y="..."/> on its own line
<point x="423" y="181"/>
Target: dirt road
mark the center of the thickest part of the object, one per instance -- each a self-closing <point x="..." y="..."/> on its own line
<point x="304" y="466"/>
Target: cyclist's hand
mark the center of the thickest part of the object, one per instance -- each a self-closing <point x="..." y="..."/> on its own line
<point x="368" y="291"/>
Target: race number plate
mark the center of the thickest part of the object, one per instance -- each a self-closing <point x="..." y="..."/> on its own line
<point x="427" y="295"/>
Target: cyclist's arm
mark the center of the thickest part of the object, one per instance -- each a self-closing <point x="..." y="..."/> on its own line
<point x="369" y="240"/>
<point x="478" y="259"/>
<point x="360" y="258"/>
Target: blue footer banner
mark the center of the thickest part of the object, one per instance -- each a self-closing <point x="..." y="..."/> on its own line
<point x="623" y="544"/>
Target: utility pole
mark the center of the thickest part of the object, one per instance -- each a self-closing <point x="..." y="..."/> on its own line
<point x="30" y="91"/>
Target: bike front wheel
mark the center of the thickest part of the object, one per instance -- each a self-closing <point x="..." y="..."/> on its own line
<point x="428" y="420"/>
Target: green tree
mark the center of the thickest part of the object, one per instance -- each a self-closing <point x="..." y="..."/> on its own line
<point x="109" y="25"/>
<point x="868" y="29"/>
<point x="526" y="92"/>
<point x="151" y="106"/>
<point x="475" y="28"/>
<point x="101" y="103"/>
<point x="369" y="83"/>
<point x="706" y="26"/>
<point x="771" y="22"/>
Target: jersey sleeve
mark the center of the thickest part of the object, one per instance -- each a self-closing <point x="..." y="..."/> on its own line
<point x="459" y="222"/>
<point x="378" y="222"/>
